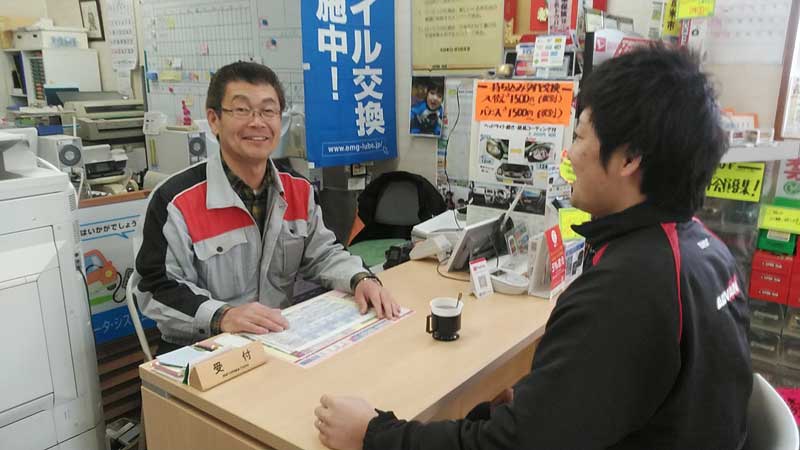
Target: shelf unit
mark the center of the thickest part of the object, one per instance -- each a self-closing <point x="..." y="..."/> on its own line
<point x="27" y="71"/>
<point x="736" y="224"/>
<point x="780" y="150"/>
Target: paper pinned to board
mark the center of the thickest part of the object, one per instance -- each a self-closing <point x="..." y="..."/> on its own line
<point x="124" y="85"/>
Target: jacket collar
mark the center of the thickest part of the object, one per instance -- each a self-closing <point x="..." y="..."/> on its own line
<point x="602" y="230"/>
<point x="220" y="193"/>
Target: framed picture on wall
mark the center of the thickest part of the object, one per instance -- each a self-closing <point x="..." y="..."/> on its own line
<point x="92" y="21"/>
<point x="427" y="110"/>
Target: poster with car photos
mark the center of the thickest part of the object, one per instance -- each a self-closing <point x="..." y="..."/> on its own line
<point x="514" y="153"/>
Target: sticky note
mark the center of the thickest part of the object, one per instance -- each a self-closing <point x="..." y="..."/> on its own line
<point x="688" y="9"/>
<point x="170" y="22"/>
<point x="169" y="75"/>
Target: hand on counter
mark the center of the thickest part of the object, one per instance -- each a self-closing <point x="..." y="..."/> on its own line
<point x="253" y="318"/>
<point x="370" y="292"/>
<point x="342" y="421"/>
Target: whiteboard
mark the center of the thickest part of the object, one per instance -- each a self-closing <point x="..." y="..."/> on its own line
<point x="185" y="41"/>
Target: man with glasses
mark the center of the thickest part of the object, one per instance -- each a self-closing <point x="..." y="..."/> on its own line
<point x="224" y="240"/>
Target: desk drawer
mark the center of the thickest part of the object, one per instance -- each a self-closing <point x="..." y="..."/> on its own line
<point x="170" y="424"/>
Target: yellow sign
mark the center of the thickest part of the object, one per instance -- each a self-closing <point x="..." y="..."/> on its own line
<point x="688" y="9"/>
<point x="737" y="181"/>
<point x="778" y="218"/>
<point x="565" y="170"/>
<point x="672" y="27"/>
<point x="571" y="216"/>
<point x="539" y="102"/>
<point x="456" y="34"/>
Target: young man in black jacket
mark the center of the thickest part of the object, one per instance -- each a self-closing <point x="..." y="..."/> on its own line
<point x="648" y="348"/>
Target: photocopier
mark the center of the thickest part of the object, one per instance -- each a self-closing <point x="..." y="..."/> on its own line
<point x="49" y="390"/>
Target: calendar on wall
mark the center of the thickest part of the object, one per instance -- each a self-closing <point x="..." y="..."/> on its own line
<point x="186" y="41"/>
<point x="748" y="32"/>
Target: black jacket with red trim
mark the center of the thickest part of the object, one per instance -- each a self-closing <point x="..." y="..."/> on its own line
<point x="646" y="350"/>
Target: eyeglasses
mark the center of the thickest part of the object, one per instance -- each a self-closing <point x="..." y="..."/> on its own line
<point x="247" y="113"/>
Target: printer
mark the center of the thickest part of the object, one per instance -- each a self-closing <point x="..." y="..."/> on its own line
<point x="49" y="390"/>
<point x="174" y="148"/>
<point x="102" y="116"/>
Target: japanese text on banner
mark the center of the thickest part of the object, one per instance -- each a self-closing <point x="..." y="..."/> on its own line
<point x="369" y="111"/>
<point x="737" y="181"/>
<point x="538" y="102"/>
<point x="671" y="25"/>
<point x="348" y="53"/>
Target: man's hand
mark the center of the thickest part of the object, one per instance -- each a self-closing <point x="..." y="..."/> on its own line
<point x="507" y="396"/>
<point x="253" y="318"/>
<point x="342" y="421"/>
<point x="369" y="291"/>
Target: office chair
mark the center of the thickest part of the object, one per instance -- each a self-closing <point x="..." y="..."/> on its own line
<point x="771" y="423"/>
<point x="131" y="302"/>
<point x="137" y="321"/>
<point x="388" y="209"/>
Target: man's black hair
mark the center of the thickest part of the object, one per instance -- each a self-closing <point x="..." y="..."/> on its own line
<point x="656" y="101"/>
<point x="249" y="72"/>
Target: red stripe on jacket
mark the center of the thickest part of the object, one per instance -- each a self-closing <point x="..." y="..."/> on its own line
<point x="671" y="231"/>
<point x="204" y="223"/>
<point x="599" y="254"/>
<point x="296" y="192"/>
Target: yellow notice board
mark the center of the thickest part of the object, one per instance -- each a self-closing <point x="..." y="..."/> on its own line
<point x="778" y="218"/>
<point x="688" y="9"/>
<point x="672" y="27"/>
<point x="457" y="34"/>
<point x="571" y="216"/>
<point x="737" y="181"/>
<point x="539" y="102"/>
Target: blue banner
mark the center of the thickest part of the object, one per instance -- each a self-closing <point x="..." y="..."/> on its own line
<point x="116" y="323"/>
<point x="348" y="56"/>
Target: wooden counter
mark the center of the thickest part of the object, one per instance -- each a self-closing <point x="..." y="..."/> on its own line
<point x="401" y="368"/>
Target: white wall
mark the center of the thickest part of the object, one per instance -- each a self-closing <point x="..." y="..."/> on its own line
<point x="743" y="87"/>
<point x="24" y="8"/>
<point x="414" y="154"/>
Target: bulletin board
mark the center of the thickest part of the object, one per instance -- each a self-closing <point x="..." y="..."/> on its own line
<point x="459" y="34"/>
<point x="185" y="41"/>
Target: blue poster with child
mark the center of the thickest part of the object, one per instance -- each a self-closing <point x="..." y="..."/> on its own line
<point x="348" y="56"/>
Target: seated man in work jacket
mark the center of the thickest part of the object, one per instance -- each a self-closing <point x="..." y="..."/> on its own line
<point x="224" y="240"/>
